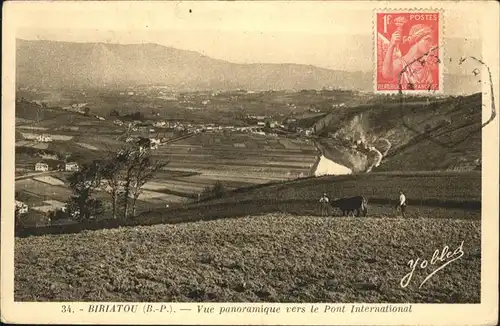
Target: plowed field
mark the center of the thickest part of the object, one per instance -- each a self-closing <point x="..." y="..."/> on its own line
<point x="275" y="257"/>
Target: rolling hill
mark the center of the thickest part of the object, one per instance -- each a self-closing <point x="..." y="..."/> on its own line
<point x="54" y="64"/>
<point x="58" y="64"/>
<point x="443" y="134"/>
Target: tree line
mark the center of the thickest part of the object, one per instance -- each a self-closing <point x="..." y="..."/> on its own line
<point x="130" y="116"/>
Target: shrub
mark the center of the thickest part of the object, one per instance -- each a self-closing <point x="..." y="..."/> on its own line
<point x="58" y="214"/>
<point x="114" y="113"/>
<point x="218" y="190"/>
<point x="427" y="128"/>
<point x="30" y="219"/>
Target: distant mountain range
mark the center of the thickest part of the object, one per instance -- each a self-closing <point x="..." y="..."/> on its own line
<point x="54" y="64"/>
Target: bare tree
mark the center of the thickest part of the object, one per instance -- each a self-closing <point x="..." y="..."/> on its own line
<point x="128" y="180"/>
<point x="123" y="173"/>
<point x="144" y="170"/>
<point x="136" y="169"/>
<point x="83" y="183"/>
<point x="113" y="174"/>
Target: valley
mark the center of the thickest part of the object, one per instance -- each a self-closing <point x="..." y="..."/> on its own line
<point x="148" y="173"/>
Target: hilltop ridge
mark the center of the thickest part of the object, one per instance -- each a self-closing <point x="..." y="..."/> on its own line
<point x="443" y="134"/>
<point x="55" y="64"/>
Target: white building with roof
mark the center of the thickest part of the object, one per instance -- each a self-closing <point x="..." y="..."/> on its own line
<point x="71" y="166"/>
<point x="44" y="138"/>
<point x="41" y="167"/>
<point x="21" y="207"/>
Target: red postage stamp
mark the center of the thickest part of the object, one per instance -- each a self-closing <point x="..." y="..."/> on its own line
<point x="407" y="51"/>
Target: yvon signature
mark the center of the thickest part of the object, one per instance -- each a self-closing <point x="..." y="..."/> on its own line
<point x="443" y="258"/>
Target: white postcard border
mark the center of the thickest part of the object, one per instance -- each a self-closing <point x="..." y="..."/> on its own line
<point x="422" y="314"/>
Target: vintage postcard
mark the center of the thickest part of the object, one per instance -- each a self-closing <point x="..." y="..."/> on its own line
<point x="250" y="162"/>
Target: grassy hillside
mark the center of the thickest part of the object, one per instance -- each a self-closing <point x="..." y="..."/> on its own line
<point x="442" y="134"/>
<point x="432" y="188"/>
<point x="271" y="258"/>
<point x="445" y="195"/>
<point x="430" y="195"/>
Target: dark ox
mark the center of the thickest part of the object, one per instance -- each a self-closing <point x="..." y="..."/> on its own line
<point x="351" y="204"/>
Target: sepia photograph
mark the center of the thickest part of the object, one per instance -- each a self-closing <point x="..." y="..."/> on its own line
<point x="263" y="153"/>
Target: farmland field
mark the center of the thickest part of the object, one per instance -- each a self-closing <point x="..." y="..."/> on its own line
<point x="180" y="186"/>
<point x="211" y="157"/>
<point x="420" y="188"/>
<point x="49" y="206"/>
<point x="31" y="136"/>
<point x="237" y="160"/>
<point x="430" y="195"/>
<point x="93" y="148"/>
<point x="23" y="142"/>
<point x="49" y="180"/>
<point x="158" y="197"/>
<point x="272" y="258"/>
<point x="42" y="192"/>
<point x="33" y="128"/>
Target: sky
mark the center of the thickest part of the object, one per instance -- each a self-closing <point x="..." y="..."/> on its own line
<point x="332" y="35"/>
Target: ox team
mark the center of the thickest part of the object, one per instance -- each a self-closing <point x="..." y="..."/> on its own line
<point x="356" y="203"/>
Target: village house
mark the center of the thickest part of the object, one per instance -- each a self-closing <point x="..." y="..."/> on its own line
<point x="44" y="138"/>
<point x="21" y="207"/>
<point x="159" y="124"/>
<point x="154" y="143"/>
<point x="71" y="166"/>
<point x="42" y="167"/>
<point x="79" y="105"/>
<point x="273" y="124"/>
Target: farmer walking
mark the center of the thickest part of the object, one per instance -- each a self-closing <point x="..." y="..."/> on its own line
<point x="402" y="203"/>
<point x="323" y="201"/>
